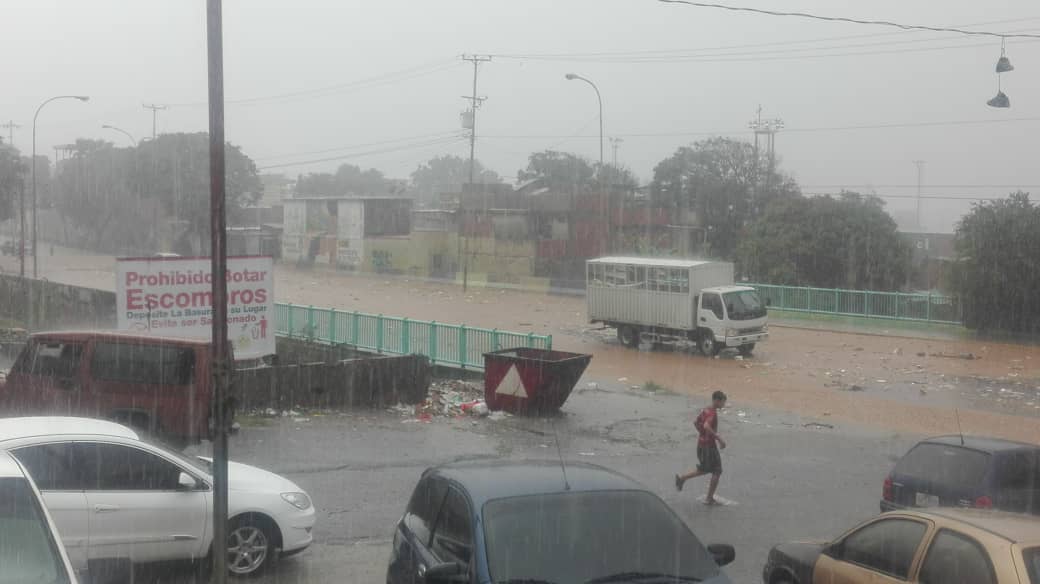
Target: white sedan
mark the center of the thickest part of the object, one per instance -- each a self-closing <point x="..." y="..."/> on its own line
<point x="114" y="496"/>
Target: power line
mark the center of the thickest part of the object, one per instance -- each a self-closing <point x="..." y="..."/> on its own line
<point x="364" y="83"/>
<point x="851" y="20"/>
<point x="452" y="133"/>
<point x="894" y="125"/>
<point x="435" y="142"/>
<point x="155" y="113"/>
<point x="910" y="186"/>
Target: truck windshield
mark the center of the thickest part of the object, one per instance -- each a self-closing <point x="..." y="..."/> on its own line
<point x="744" y="305"/>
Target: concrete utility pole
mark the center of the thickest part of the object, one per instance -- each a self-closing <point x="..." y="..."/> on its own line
<point x="920" y="171"/>
<point x="10" y="132"/>
<point x="155" y="113"/>
<point x="219" y="347"/>
<point x="474" y="103"/>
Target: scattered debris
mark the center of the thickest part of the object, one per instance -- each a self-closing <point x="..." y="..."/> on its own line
<point x="819" y="426"/>
<point x="966" y="356"/>
<point x="586" y="454"/>
<point x="897" y="351"/>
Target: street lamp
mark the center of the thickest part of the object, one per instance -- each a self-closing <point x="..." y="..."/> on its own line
<point x="572" y="77"/>
<point x="127" y="134"/>
<point x="35" y="222"/>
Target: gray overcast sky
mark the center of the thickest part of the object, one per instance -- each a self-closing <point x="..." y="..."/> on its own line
<point x="127" y="52"/>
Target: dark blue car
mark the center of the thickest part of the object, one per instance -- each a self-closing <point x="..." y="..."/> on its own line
<point x="529" y="523"/>
<point x="968" y="471"/>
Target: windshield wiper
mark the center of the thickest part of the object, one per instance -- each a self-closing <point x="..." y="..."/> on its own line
<point x="640" y="576"/>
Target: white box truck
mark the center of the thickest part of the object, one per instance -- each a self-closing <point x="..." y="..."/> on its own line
<point x="663" y="300"/>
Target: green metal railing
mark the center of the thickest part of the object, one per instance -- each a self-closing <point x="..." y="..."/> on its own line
<point x="863" y="303"/>
<point x="454" y="345"/>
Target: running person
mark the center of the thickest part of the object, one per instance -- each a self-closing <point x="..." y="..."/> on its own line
<point x="709" y="461"/>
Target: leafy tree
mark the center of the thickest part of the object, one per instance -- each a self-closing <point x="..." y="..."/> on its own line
<point x="843" y="242"/>
<point x="347" y="180"/>
<point x="997" y="272"/>
<point x="12" y="175"/>
<point x="447" y="174"/>
<point x="114" y="197"/>
<point x="716" y="180"/>
<point x="562" y="172"/>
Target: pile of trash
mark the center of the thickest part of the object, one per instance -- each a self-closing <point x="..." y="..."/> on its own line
<point x="450" y="399"/>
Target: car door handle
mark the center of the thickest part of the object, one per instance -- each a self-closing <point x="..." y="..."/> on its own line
<point x="704" y="319"/>
<point x="105" y="508"/>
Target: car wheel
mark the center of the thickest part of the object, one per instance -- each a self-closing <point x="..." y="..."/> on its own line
<point x="250" y="546"/>
<point x="708" y="346"/>
<point x="745" y="350"/>
<point x="628" y="336"/>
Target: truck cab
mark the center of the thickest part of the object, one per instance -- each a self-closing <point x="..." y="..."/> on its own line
<point x="730" y="317"/>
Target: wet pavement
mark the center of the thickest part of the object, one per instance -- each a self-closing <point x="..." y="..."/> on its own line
<point x="789" y="476"/>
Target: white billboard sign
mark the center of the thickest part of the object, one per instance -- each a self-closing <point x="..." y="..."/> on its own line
<point x="170" y="296"/>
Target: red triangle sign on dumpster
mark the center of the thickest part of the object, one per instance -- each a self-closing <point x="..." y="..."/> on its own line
<point x="511" y="384"/>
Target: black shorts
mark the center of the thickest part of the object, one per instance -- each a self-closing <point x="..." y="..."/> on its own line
<point x="708" y="459"/>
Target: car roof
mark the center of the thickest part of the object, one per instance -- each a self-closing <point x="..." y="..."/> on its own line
<point x="31" y="427"/>
<point x="1014" y="527"/>
<point x="982" y="443"/>
<point x="82" y="335"/>
<point x="8" y="466"/>
<point x="485" y="480"/>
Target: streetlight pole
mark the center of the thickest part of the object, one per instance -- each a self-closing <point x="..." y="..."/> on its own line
<point x="124" y="132"/>
<point x="34" y="220"/>
<point x="599" y="99"/>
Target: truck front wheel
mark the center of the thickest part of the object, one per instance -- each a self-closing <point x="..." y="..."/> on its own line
<point x="707" y="344"/>
<point x="628" y="336"/>
<point x="746" y="350"/>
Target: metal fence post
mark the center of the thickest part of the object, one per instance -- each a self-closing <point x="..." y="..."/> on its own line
<point x="355" y="329"/>
<point x="548" y="343"/>
<point x="783" y="297"/>
<point x="837" y="304"/>
<point x="291" y="332"/>
<point x="530" y="340"/>
<point x="406" y="341"/>
<point x="928" y="308"/>
<point x="433" y="342"/>
<point x="463" y="353"/>
<point x="379" y="334"/>
<point x="332" y="326"/>
<point x="310" y="322"/>
<point x="866" y="303"/>
<point x="897" y="305"/>
<point x="494" y="340"/>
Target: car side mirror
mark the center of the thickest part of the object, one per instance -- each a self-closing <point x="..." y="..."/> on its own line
<point x="186" y="482"/>
<point x="723" y="553"/>
<point x="833" y="550"/>
<point x="444" y="573"/>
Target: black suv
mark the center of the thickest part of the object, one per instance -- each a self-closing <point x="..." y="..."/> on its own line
<point x="966" y="471"/>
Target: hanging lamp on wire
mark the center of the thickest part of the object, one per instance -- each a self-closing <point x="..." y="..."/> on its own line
<point x="1003" y="63"/>
<point x="1000" y="100"/>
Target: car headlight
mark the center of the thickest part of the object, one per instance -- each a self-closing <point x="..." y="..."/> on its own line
<point x="299" y="500"/>
<point x="732" y="332"/>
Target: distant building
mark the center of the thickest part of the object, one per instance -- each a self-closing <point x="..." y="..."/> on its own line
<point x="276" y="188"/>
<point x="932" y="254"/>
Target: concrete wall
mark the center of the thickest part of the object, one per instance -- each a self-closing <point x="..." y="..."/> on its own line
<point x="369" y="382"/>
<point x="56" y="305"/>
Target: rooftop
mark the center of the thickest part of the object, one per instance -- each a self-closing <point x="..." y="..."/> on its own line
<point x="657" y="262"/>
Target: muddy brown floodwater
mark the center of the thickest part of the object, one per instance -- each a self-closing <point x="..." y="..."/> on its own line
<point x="899" y="383"/>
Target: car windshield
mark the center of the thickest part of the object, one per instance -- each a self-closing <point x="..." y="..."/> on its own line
<point x="28" y="553"/>
<point x="572" y="538"/>
<point x="744" y="305"/>
<point x="1032" y="559"/>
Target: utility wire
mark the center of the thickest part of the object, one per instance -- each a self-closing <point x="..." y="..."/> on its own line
<point x="435" y="142"/>
<point x="666" y="52"/>
<point x="452" y="133"/>
<point x="786" y="129"/>
<point x="852" y="20"/>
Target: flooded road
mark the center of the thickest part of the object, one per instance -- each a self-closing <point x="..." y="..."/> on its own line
<point x="900" y="383"/>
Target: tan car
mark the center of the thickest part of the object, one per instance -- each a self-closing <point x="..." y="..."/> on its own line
<point x="943" y="546"/>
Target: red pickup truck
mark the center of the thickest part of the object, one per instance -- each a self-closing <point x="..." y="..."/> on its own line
<point x="160" y="385"/>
